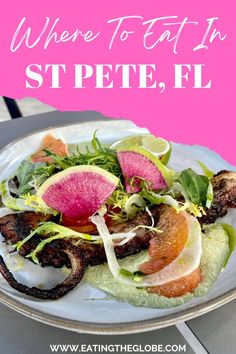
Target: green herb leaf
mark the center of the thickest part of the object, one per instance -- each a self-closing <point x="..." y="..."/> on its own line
<point x="195" y="185"/>
<point x="126" y="273"/>
<point x="136" y="276"/>
<point x="24" y="175"/>
<point x="206" y="170"/>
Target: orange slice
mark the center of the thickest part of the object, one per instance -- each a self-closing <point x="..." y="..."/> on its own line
<point x="165" y="248"/>
<point x="169" y="243"/>
<point x="179" y="287"/>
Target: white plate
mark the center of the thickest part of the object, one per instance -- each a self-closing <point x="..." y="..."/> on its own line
<point x="85" y="309"/>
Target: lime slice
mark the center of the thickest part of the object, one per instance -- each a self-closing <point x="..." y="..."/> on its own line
<point x="159" y="147"/>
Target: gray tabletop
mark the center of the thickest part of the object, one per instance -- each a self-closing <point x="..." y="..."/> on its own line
<point x="214" y="331"/>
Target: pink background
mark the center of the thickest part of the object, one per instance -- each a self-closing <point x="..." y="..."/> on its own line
<point x="196" y="116"/>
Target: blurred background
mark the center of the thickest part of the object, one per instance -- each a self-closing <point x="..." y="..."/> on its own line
<point x="26" y="107"/>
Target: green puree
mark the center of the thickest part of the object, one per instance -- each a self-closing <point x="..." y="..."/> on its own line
<point x="215" y="244"/>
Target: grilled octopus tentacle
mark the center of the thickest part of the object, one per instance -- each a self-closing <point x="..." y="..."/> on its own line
<point x="224" y="191"/>
<point x="94" y="254"/>
<point x="78" y="266"/>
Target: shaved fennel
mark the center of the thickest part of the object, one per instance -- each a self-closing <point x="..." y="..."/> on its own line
<point x="56" y="231"/>
<point x="9" y="201"/>
<point x="187" y="261"/>
<point x="25" y="202"/>
<point x="6" y="211"/>
<point x="49" y="228"/>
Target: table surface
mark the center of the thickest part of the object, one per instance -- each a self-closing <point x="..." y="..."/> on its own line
<point x="21" y="335"/>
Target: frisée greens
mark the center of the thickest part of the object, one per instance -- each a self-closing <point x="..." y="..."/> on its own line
<point x="189" y="192"/>
<point x="194" y="189"/>
<point x="50" y="186"/>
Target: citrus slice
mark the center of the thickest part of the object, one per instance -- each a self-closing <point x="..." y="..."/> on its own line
<point x="138" y="164"/>
<point x="180" y="286"/>
<point x="182" y="266"/>
<point x="188" y="259"/>
<point x="78" y="192"/>
<point x="56" y="146"/>
<point x="159" y="147"/>
<point x="165" y="247"/>
<point x="168" y="248"/>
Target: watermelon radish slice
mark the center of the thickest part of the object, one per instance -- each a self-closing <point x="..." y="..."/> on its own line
<point x="78" y="192"/>
<point x="137" y="163"/>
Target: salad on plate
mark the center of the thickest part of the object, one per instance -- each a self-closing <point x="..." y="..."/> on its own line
<point x="119" y="218"/>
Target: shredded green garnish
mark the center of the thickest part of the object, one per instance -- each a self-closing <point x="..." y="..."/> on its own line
<point x="126" y="205"/>
<point x="150" y="228"/>
<point x="157" y="199"/>
<point x="8" y="201"/>
<point x="54" y="231"/>
<point x="126" y="273"/>
<point x="206" y="170"/>
<point x="101" y="156"/>
<point x="136" y="276"/>
<point x="37" y="203"/>
<point x="189" y="192"/>
<point x="24" y="202"/>
<point x="43" y="243"/>
<point x="31" y="175"/>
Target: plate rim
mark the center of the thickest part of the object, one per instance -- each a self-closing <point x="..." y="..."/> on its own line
<point x="120" y="328"/>
<point x="112" y="328"/>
